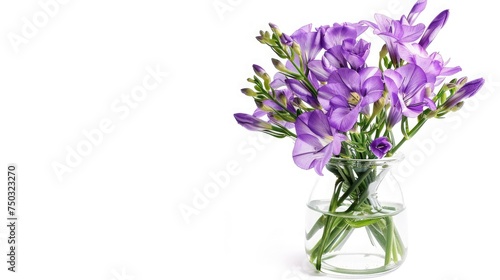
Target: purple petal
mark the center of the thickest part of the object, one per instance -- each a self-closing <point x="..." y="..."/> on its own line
<point x="298" y="88"/>
<point x="467" y="91"/>
<point x="414" y="78"/>
<point x="316" y="67"/>
<point x="344" y="119"/>
<point x="374" y="88"/>
<point x="318" y="123"/>
<point x="434" y="28"/>
<point x="334" y="36"/>
<point x="380" y="146"/>
<point x="279" y="80"/>
<point x="325" y="94"/>
<point x="416" y="10"/>
<point x="315" y="143"/>
<point x="348" y="79"/>
<point x="252" y="123"/>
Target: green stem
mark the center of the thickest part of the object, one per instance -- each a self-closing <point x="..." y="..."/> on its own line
<point x="354" y="186"/>
<point x="389" y="239"/>
<point x="412" y="133"/>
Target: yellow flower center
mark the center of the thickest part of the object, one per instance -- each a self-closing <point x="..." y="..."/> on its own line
<point x="353" y="99"/>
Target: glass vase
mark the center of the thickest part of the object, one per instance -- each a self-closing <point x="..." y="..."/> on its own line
<point x="356" y="219"/>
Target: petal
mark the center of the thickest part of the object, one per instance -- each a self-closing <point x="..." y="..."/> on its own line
<point x="416" y="10"/>
<point x="316" y="67"/>
<point x="298" y="88"/>
<point x="434" y="27"/>
<point x="318" y="123"/>
<point x="344" y="119"/>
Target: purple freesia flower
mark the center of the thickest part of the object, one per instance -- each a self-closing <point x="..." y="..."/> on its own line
<point x="286" y="40"/>
<point x="380" y="146"/>
<point x="316" y="141"/>
<point x="349" y="93"/>
<point x="407" y="86"/>
<point x="343" y="50"/>
<point x="309" y="42"/>
<point x="338" y="33"/>
<point x="398" y="33"/>
<point x="468" y="90"/>
<point x="434" y="27"/>
<point x="252" y="123"/>
<point x="432" y="64"/>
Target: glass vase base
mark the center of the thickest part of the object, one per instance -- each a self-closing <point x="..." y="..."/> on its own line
<point x="345" y="265"/>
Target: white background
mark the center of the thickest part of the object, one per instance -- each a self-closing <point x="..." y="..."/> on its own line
<point x="117" y="214"/>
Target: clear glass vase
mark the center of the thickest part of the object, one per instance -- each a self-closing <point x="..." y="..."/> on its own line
<point x="356" y="219"/>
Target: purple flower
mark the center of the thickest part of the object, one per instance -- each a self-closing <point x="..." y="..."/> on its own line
<point x="416" y="10"/>
<point x="468" y="90"/>
<point x="286" y="40"/>
<point x="433" y="64"/>
<point x="407" y="86"/>
<point x="380" y="147"/>
<point x="398" y="33"/>
<point x="302" y="92"/>
<point x="259" y="71"/>
<point x="316" y="141"/>
<point x="309" y="42"/>
<point x="338" y="33"/>
<point x="433" y="29"/>
<point x="252" y="123"/>
<point x="349" y="93"/>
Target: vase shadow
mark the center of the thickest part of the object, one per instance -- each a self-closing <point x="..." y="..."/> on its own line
<point x="301" y="269"/>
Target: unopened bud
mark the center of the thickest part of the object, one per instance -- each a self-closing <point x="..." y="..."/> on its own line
<point x="379" y="104"/>
<point x="431" y="114"/>
<point x="457" y="107"/>
<point x="462" y="81"/>
<point x="275" y="29"/>
<point x="279" y="65"/>
<point x="248" y="92"/>
<point x="384" y="51"/>
<point x="259" y="71"/>
<point x="296" y="48"/>
<point x="264" y="107"/>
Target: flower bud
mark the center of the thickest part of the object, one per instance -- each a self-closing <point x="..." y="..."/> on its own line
<point x="457" y="107"/>
<point x="275" y="29"/>
<point x="259" y="71"/>
<point x="384" y="51"/>
<point x="279" y="65"/>
<point x="379" y="104"/>
<point x="462" y="81"/>
<point x="296" y="48"/>
<point x="263" y="106"/>
<point x="468" y="90"/>
<point x="248" y="92"/>
<point x="252" y="123"/>
<point x="286" y="40"/>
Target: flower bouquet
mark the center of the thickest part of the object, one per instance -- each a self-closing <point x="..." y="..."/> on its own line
<point x="351" y="118"/>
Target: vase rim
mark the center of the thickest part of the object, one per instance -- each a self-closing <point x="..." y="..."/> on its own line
<point x="395" y="158"/>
